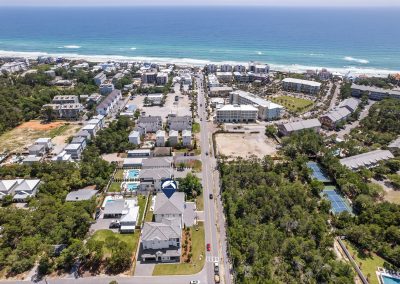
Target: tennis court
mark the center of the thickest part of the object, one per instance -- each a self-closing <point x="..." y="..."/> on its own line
<point x="338" y="203"/>
<point x="317" y="172"/>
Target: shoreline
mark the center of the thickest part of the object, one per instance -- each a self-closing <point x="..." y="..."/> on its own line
<point x="190" y="62"/>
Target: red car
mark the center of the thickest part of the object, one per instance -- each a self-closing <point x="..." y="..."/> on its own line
<point x="208" y="247"/>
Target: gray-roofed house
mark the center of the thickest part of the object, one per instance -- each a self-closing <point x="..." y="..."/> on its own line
<point x="157" y="162"/>
<point x="161" y="242"/>
<point x="150" y="179"/>
<point x="173" y="138"/>
<point x="81" y="195"/>
<point x="351" y="104"/>
<point x="368" y="160"/>
<point x="149" y="124"/>
<point x="37" y="150"/>
<point x="180" y="123"/>
<point x="114" y="209"/>
<point x="169" y="208"/>
<point x="334" y="117"/>
<point x="25" y="188"/>
<point x="7" y="187"/>
<point x="291" y="127"/>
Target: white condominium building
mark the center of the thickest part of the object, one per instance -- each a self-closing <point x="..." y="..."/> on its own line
<point x="266" y="110"/>
<point x="301" y="86"/>
<point x="237" y="113"/>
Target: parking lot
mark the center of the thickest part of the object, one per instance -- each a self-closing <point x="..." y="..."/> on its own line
<point x="180" y="107"/>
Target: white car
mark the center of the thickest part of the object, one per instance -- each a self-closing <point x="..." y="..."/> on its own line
<point x="195" y="282"/>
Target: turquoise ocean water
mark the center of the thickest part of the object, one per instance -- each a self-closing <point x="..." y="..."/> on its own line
<point x="343" y="39"/>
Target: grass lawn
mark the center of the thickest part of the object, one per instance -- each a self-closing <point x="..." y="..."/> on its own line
<point x="196" y="127"/>
<point x="142" y="204"/>
<point x="119" y="174"/>
<point x="115" y="187"/>
<point x="198" y="259"/>
<point x="200" y="202"/>
<point x="369" y="265"/>
<point x="149" y="214"/>
<point x="130" y="239"/>
<point x="293" y="104"/>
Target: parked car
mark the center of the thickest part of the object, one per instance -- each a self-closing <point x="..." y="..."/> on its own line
<point x="115" y="224"/>
<point x="195" y="282"/>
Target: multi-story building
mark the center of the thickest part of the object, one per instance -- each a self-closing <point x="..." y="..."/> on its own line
<point x="173" y="138"/>
<point x="65" y="100"/>
<point x="222" y="91"/>
<point x="162" y="78"/>
<point x="134" y="137"/>
<point x="13" y="67"/>
<point x="258" y="67"/>
<point x="180" y="123"/>
<point x="109" y="103"/>
<point x="149" y="124"/>
<point x="106" y="88"/>
<point x="187" y="138"/>
<point x="332" y="119"/>
<point x="213" y="81"/>
<point x="66" y="111"/>
<point x="75" y="150"/>
<point x="225" y="77"/>
<point x="237" y="113"/>
<point x="160" y="138"/>
<point x="266" y="110"/>
<point x="149" y="78"/>
<point x="301" y="86"/>
<point x="211" y="68"/>
<point x="292" y="127"/>
<point x="226" y="68"/>
<point x="373" y="93"/>
<point x="100" y="78"/>
<point x="239" y="68"/>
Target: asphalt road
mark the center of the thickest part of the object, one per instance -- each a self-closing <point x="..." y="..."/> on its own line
<point x="214" y="218"/>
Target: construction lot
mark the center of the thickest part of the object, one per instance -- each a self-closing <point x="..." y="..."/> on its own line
<point x="180" y="107"/>
<point x="17" y="139"/>
<point x="245" y="144"/>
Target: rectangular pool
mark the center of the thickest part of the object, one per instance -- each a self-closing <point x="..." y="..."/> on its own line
<point x="390" y="280"/>
<point x="132" y="186"/>
<point x="132" y="174"/>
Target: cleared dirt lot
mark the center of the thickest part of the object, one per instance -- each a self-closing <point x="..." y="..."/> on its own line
<point x="245" y="145"/>
<point x="24" y="135"/>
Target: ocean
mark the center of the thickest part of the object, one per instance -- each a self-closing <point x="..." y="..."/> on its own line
<point x="352" y="39"/>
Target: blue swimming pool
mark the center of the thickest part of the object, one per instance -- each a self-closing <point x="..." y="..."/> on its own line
<point x="390" y="280"/>
<point x="133" y="174"/>
<point x="132" y="186"/>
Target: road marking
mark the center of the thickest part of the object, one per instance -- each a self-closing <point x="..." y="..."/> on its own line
<point x="211" y="258"/>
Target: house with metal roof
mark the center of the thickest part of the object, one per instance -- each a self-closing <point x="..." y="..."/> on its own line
<point x="331" y="119"/>
<point x="291" y="127"/>
<point x="351" y="104"/>
<point x="26" y="188"/>
<point x="157" y="162"/>
<point x="368" y="160"/>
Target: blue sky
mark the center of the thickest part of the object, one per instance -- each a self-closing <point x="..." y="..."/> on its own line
<point x="297" y="3"/>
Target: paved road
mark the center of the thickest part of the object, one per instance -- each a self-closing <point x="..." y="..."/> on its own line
<point x="214" y="217"/>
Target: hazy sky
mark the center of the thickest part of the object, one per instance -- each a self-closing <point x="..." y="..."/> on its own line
<point x="360" y="3"/>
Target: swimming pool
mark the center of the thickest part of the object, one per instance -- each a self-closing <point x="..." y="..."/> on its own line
<point x="390" y="280"/>
<point x="131" y="174"/>
<point x="132" y="186"/>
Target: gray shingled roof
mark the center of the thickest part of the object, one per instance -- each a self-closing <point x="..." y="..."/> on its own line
<point x="81" y="194"/>
<point x="157" y="162"/>
<point x="160" y="231"/>
<point x="303" y="124"/>
<point x="173" y="205"/>
<point x="160" y="173"/>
